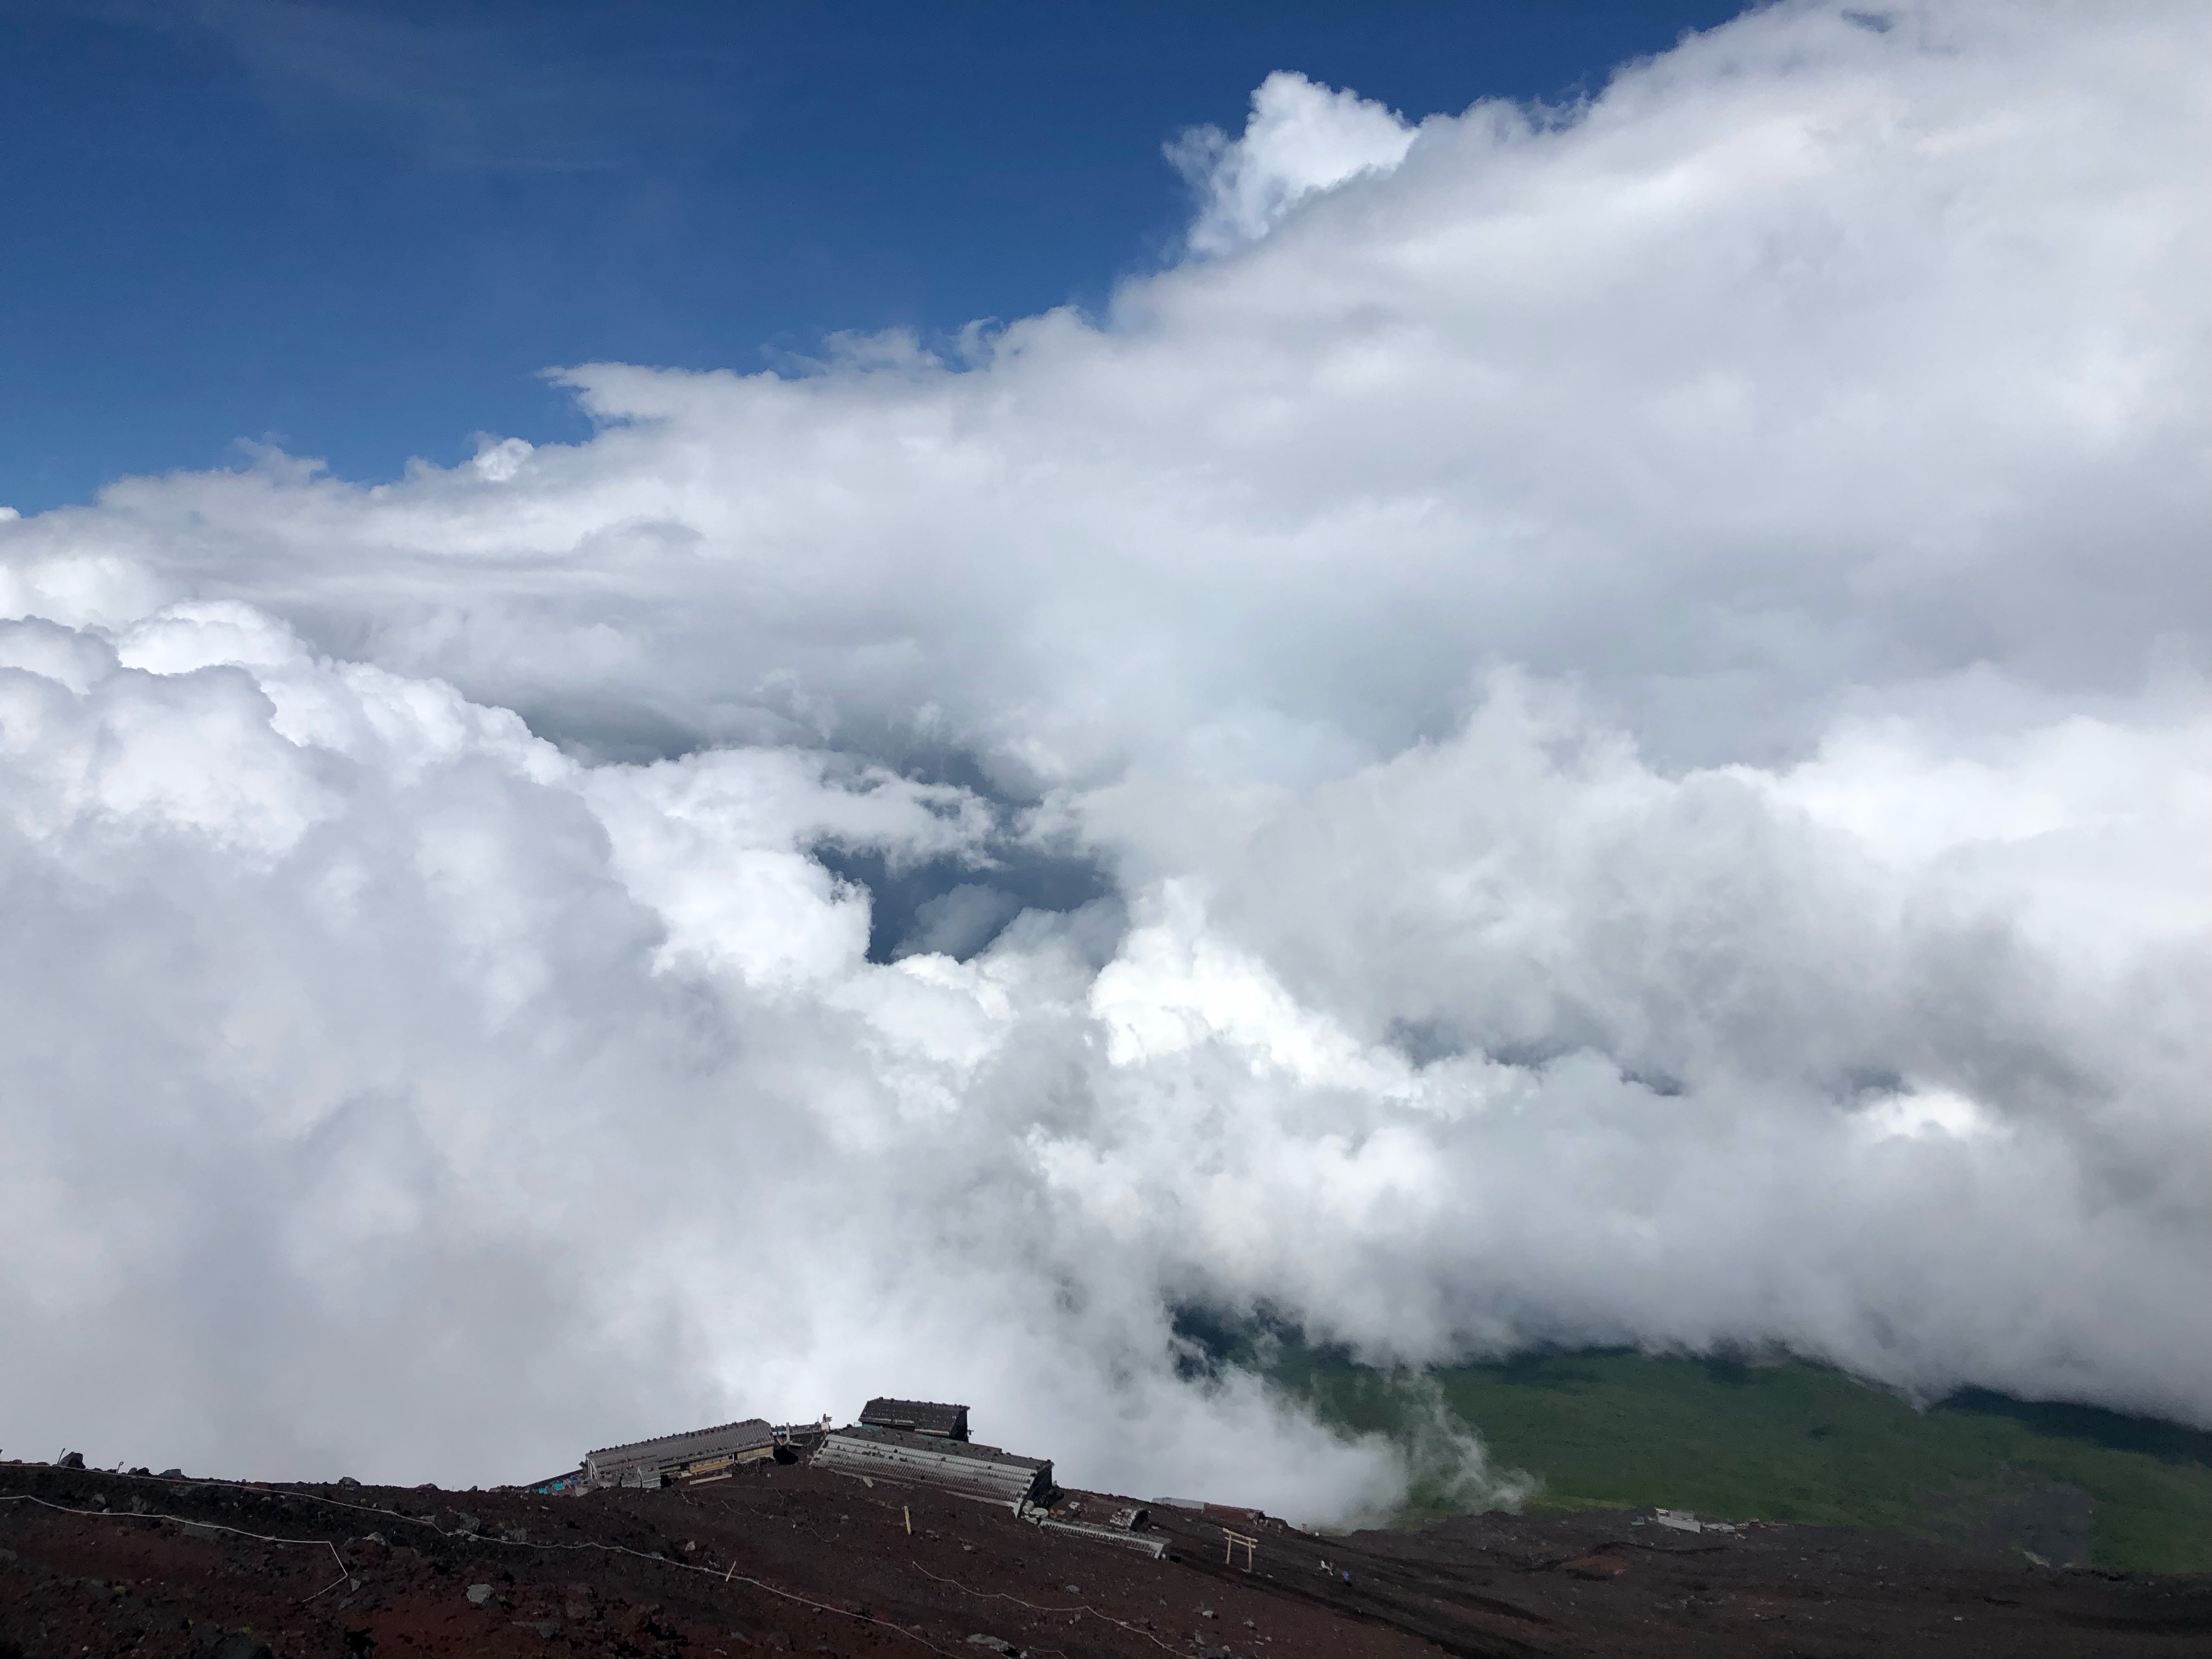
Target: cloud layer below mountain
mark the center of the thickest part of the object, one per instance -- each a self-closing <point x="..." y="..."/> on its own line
<point x="1582" y="726"/>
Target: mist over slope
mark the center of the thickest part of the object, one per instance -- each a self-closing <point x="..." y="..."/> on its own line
<point x="1585" y="726"/>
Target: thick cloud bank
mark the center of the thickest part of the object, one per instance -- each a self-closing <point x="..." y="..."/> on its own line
<point x="1586" y="726"/>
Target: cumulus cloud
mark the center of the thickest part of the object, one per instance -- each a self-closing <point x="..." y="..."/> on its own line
<point x="1589" y="725"/>
<point x="1302" y="138"/>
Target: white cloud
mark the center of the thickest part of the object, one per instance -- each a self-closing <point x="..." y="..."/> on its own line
<point x="1301" y="139"/>
<point x="1636" y="678"/>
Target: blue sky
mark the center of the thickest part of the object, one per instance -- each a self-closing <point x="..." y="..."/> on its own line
<point x="358" y="231"/>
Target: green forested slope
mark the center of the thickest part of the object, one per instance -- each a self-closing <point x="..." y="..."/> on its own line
<point x="1796" y="1442"/>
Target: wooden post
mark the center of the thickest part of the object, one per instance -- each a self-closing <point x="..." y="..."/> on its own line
<point x="1233" y="1541"/>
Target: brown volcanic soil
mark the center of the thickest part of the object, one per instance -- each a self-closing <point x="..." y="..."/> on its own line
<point x="784" y="1559"/>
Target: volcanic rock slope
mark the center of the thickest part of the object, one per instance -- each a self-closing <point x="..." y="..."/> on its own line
<point x="787" y="1560"/>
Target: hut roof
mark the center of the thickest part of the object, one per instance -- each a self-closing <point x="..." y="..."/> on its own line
<point x="917" y="1417"/>
<point x="693" y="1444"/>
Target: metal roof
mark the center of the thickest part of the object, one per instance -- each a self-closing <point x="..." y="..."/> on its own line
<point x="973" y="1450"/>
<point x="956" y="1465"/>
<point x="695" y="1442"/>
<point x="917" y="1417"/>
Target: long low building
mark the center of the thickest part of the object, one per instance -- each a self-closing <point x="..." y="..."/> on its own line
<point x="1125" y="1538"/>
<point x="956" y="1466"/>
<point x="928" y="1417"/>
<point x="697" y="1455"/>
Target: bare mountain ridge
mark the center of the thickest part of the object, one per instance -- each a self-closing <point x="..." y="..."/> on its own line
<point x="786" y="1559"/>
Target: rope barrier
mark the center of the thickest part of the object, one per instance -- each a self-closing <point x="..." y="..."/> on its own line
<point x="727" y="1576"/>
<point x="346" y="1573"/>
<point x="1036" y="1607"/>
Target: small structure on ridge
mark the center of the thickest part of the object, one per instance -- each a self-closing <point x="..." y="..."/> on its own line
<point x="960" y="1467"/>
<point x="916" y="1417"/>
<point x="698" y="1455"/>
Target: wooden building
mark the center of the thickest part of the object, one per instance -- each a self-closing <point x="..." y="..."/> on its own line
<point x="691" y="1458"/>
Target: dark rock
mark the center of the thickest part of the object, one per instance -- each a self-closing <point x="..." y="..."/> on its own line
<point x="1595" y="1567"/>
<point x="2016" y="1515"/>
<point x="70" y="1460"/>
<point x="348" y="1480"/>
<point x="172" y="1474"/>
<point x="214" y="1642"/>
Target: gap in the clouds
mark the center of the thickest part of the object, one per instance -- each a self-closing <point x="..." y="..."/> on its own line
<point x="1742" y="1433"/>
<point x="1211" y="1341"/>
<point x="1425" y="1041"/>
<point x="958" y="906"/>
<point x="954" y="908"/>
<point x="951" y="906"/>
<point x="611" y="733"/>
<point x="1874" y="1083"/>
<point x="1429" y="1040"/>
